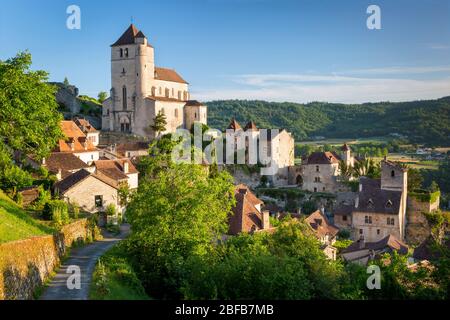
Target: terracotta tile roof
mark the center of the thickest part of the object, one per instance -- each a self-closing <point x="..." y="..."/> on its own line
<point x="65" y="161"/>
<point x="168" y="75"/>
<point x="156" y="98"/>
<point x="322" y="158"/>
<point x="122" y="148"/>
<point x="250" y="195"/>
<point x="246" y="217"/>
<point x="74" y="136"/>
<point x="234" y="125"/>
<point x="388" y="243"/>
<point x="113" y="169"/>
<point x="85" y="125"/>
<point x="251" y="126"/>
<point x="69" y="182"/>
<point x="129" y="36"/>
<point x="320" y="224"/>
<point x="373" y="199"/>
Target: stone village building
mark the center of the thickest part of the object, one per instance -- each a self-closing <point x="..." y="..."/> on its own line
<point x="279" y="147"/>
<point x="319" y="172"/>
<point x="140" y="90"/>
<point x="379" y="208"/>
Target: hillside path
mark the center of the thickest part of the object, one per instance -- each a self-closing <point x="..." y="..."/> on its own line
<point x="86" y="258"/>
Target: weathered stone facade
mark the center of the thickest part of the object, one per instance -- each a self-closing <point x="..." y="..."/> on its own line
<point x="140" y="91"/>
<point x="418" y="228"/>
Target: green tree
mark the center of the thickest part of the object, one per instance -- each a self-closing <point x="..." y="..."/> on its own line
<point x="178" y="211"/>
<point x="346" y="170"/>
<point x="29" y="117"/>
<point x="66" y="82"/>
<point x="159" y="124"/>
<point x="102" y="96"/>
<point x="415" y="179"/>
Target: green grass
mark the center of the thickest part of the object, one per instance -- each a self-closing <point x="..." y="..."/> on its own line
<point x="16" y="224"/>
<point x="115" y="279"/>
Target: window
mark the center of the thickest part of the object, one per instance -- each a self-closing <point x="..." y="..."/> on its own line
<point x="317" y="169"/>
<point x="121" y="53"/>
<point x="126" y="52"/>
<point x="378" y="231"/>
<point x="173" y="92"/>
<point x="390" y="221"/>
<point x="344" y="218"/>
<point x="92" y="157"/>
<point x="160" y="91"/>
<point x="323" y="189"/>
<point x="179" y="95"/>
<point x="124" y="98"/>
<point x="123" y="71"/>
<point x="317" y="179"/>
<point x="368" y="219"/>
<point x="389" y="203"/>
<point x="176" y="113"/>
<point x="98" y="201"/>
<point x="360" y="231"/>
<point x="315" y="189"/>
<point x="393" y="174"/>
<point x="153" y="91"/>
<point x="167" y="92"/>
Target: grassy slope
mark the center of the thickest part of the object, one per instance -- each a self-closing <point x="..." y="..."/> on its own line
<point x="16" y="224"/>
<point x="114" y="279"/>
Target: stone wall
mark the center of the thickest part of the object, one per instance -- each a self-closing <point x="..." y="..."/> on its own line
<point x="417" y="227"/>
<point x="26" y="264"/>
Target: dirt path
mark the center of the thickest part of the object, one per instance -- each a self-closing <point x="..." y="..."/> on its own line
<point x="85" y="257"/>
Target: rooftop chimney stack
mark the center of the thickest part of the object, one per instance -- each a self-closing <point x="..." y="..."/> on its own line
<point x="266" y="219"/>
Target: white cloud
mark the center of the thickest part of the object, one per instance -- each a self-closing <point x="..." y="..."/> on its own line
<point x="306" y="88"/>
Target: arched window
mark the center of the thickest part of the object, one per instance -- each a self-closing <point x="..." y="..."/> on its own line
<point x="153" y="91"/>
<point x="392" y="173"/>
<point x="160" y="91"/>
<point x="179" y="95"/>
<point x="124" y="97"/>
<point x="167" y="92"/>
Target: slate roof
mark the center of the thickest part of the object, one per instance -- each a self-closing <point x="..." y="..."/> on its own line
<point x="194" y="103"/>
<point x="389" y="243"/>
<point x="427" y="250"/>
<point x="320" y="224"/>
<point x="129" y="36"/>
<point x="373" y="199"/>
<point x="69" y="182"/>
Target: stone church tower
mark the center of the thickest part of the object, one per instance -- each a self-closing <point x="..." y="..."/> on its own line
<point x="140" y="90"/>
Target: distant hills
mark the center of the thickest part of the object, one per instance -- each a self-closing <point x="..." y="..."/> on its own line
<point x="425" y="121"/>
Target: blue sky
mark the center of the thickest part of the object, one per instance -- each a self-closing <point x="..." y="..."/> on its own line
<point x="278" y="50"/>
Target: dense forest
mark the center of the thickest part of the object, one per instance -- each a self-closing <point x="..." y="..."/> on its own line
<point x="426" y="121"/>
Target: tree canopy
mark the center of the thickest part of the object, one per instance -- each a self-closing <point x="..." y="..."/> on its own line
<point x="29" y="119"/>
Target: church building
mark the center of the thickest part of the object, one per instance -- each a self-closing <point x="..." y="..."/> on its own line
<point x="140" y="91"/>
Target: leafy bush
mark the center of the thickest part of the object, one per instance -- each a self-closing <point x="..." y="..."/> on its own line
<point x="111" y="210"/>
<point x="57" y="211"/>
<point x="14" y="178"/>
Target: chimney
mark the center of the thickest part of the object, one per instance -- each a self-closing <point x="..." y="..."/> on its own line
<point x="265" y="220"/>
<point x="322" y="210"/>
<point x="59" y="175"/>
<point x="361" y="242"/>
<point x="126" y="167"/>
<point x="72" y="144"/>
